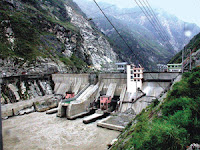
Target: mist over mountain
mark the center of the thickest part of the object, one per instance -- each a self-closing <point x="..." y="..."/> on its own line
<point x="148" y="47"/>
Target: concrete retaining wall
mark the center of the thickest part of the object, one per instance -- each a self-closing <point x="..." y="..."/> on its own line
<point x="13" y="109"/>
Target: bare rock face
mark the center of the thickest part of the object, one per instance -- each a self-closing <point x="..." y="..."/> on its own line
<point x="94" y="44"/>
<point x="11" y="66"/>
<point x="55" y="32"/>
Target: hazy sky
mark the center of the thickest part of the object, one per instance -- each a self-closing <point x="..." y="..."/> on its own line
<point x="186" y="10"/>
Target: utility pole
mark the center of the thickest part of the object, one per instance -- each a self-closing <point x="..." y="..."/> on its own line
<point x="190" y="59"/>
<point x="183" y="50"/>
<point x="183" y="59"/>
<point x="1" y="137"/>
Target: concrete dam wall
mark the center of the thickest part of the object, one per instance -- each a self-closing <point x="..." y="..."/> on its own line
<point x="160" y="76"/>
<point x="112" y="85"/>
<point x="69" y="82"/>
<point x="87" y="89"/>
<point x="107" y="79"/>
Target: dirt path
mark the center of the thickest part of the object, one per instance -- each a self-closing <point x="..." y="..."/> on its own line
<point x="48" y="132"/>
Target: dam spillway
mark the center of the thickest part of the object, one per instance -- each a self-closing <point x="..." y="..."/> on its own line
<point x="87" y="89"/>
<point x="154" y="85"/>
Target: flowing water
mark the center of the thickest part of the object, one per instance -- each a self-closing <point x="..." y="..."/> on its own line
<point x="48" y="132"/>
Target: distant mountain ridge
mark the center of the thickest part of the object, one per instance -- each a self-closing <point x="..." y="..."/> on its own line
<point x="147" y="46"/>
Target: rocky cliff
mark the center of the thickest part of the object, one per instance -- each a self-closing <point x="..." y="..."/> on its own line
<point x="49" y="36"/>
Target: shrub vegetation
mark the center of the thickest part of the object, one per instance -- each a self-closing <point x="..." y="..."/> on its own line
<point x="171" y="125"/>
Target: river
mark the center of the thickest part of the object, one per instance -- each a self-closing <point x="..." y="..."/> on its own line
<point x="39" y="131"/>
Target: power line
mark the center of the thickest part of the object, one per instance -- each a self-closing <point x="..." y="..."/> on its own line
<point x="119" y="34"/>
<point x="115" y="28"/>
<point x="154" y="16"/>
<point x="152" y="19"/>
<point x="145" y="11"/>
<point x="102" y="9"/>
<point x="158" y="22"/>
<point x="117" y="15"/>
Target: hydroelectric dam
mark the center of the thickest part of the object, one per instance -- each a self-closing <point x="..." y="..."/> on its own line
<point x="69" y="101"/>
<point x="92" y="96"/>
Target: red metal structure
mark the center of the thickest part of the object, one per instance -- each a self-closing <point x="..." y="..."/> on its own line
<point x="69" y="95"/>
<point x="105" y="102"/>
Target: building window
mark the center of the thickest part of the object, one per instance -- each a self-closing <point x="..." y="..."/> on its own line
<point x="131" y="77"/>
<point x="138" y="70"/>
<point x="134" y="79"/>
<point x="134" y="75"/>
<point x="138" y="80"/>
<point x="134" y="70"/>
<point x="131" y="71"/>
<point x="138" y="75"/>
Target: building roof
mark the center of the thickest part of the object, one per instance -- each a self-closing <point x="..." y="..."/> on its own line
<point x="121" y="63"/>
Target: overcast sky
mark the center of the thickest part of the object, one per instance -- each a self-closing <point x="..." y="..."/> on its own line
<point x="186" y="10"/>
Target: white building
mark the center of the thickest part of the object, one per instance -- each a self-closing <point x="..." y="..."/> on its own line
<point x="121" y="66"/>
<point x="174" y="67"/>
<point x="162" y="68"/>
<point x="134" y="78"/>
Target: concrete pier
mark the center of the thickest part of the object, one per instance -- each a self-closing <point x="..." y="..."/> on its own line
<point x="110" y="126"/>
<point x="62" y="88"/>
<point x="152" y="91"/>
<point x="52" y="111"/>
<point x="14" y="90"/>
<point x="93" y="118"/>
<point x="82" y="103"/>
<point x="76" y="87"/>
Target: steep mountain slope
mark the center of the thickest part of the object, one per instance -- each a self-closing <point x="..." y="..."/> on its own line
<point x="138" y="30"/>
<point x="193" y="44"/>
<point x="144" y="50"/>
<point x="43" y="36"/>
